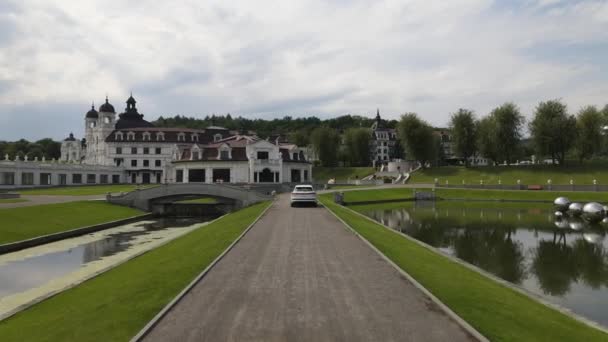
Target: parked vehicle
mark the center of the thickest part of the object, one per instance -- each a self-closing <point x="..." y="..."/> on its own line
<point x="303" y="194"/>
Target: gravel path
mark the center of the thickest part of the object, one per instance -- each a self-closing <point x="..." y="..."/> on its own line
<point x="299" y="275"/>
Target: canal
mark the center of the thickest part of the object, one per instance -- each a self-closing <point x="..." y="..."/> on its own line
<point x="34" y="273"/>
<point x="564" y="261"/>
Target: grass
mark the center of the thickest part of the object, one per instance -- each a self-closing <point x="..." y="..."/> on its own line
<point x="82" y="190"/>
<point x="117" y="304"/>
<point x="202" y="200"/>
<point x="496" y="311"/>
<point x="23" y="223"/>
<point x="472" y="194"/>
<point x="529" y="174"/>
<point x="12" y="200"/>
<point x="340" y="174"/>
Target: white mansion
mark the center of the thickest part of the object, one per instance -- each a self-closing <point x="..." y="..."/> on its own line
<point x="129" y="149"/>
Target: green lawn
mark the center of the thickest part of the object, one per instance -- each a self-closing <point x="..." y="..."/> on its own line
<point x="354" y="196"/>
<point x="83" y="190"/>
<point x="23" y="223"/>
<point x="202" y="200"/>
<point x="117" y="304"/>
<point x="499" y="313"/>
<point x="340" y="174"/>
<point x="530" y="174"/>
<point x="12" y="200"/>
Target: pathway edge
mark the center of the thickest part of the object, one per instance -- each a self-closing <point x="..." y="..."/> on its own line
<point x="461" y="322"/>
<point x="162" y="313"/>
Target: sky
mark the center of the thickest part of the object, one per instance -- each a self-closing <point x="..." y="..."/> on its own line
<point x="267" y="59"/>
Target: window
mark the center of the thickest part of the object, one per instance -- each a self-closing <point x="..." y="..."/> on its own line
<point x="181" y="136"/>
<point x="146" y="163"/>
<point x="146" y="136"/>
<point x="295" y="156"/>
<point x="133" y="150"/>
<point x="179" y="176"/>
<point x="158" y="150"/>
<point x="45" y="179"/>
<point x="103" y="179"/>
<point x="146" y="150"/>
<point x="160" y="136"/>
<point x="130" y="136"/>
<point x="77" y="178"/>
<point x="27" y="178"/>
<point x="157" y="163"/>
<point x="262" y="155"/>
<point x="118" y="161"/>
<point x="106" y="120"/>
<point x="194" y="137"/>
<point x="196" y="175"/>
<point x="195" y="155"/>
<point x="7" y="178"/>
<point x="91" y="178"/>
<point x="217" y="137"/>
<point x="134" y="162"/>
<point x="119" y="150"/>
<point x="225" y="155"/>
<point x="115" y="179"/>
<point x="63" y="179"/>
<point x="119" y="136"/>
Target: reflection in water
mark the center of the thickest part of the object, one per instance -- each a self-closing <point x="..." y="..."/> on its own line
<point x="564" y="259"/>
<point x="19" y="274"/>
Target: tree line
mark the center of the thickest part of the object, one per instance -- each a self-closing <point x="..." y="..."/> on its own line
<point x="554" y="133"/>
<point x="47" y="148"/>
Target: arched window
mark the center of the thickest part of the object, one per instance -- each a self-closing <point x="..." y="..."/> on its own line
<point x="194" y="137"/>
<point x="217" y="137"/>
<point x="107" y="120"/>
<point x="119" y="136"/>
<point x="160" y="136"/>
<point x="146" y="136"/>
<point x="181" y="136"/>
<point x="131" y="136"/>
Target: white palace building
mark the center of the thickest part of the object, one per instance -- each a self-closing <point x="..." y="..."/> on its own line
<point x="129" y="149"/>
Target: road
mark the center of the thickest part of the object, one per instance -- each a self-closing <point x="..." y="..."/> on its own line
<point x="299" y="275"/>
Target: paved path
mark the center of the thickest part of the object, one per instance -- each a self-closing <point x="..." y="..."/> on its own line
<point x="44" y="199"/>
<point x="298" y="275"/>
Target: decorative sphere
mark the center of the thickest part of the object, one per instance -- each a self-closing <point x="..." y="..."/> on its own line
<point x="575" y="208"/>
<point x="593" y="212"/>
<point x="593" y="238"/>
<point x="558" y="214"/>
<point x="606" y="208"/>
<point x="576" y="224"/>
<point x="562" y="224"/>
<point x="605" y="220"/>
<point x="561" y="203"/>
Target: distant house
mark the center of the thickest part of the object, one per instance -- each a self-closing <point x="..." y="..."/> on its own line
<point x="384" y="144"/>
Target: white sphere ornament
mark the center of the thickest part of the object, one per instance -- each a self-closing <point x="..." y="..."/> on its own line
<point x="575" y="209"/>
<point x="593" y="212"/>
<point x="561" y="203"/>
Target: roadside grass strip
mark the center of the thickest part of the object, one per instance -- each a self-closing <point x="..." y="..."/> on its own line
<point x="495" y="310"/>
<point x="340" y="174"/>
<point x="82" y="190"/>
<point x="12" y="200"/>
<point x="17" y="224"/>
<point x="117" y="304"/>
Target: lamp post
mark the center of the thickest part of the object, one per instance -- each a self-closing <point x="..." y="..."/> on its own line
<point x="519" y="184"/>
<point x="595" y="185"/>
<point x="549" y="184"/>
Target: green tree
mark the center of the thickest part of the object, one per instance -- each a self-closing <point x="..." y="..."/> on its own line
<point x="299" y="138"/>
<point x="486" y="138"/>
<point x="326" y="142"/>
<point x="356" y="142"/>
<point x="589" y="132"/>
<point x="508" y="123"/>
<point x="464" y="135"/>
<point x="417" y="137"/>
<point x="551" y="130"/>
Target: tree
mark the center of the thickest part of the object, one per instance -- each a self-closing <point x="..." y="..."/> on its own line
<point x="589" y="132"/>
<point x="356" y="141"/>
<point x="326" y="141"/>
<point x="417" y="137"/>
<point x="464" y="135"/>
<point x="486" y="138"/>
<point x="551" y="130"/>
<point x="508" y="123"/>
<point x="299" y="138"/>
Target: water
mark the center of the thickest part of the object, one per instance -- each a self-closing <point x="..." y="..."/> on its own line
<point x="566" y="262"/>
<point x="38" y="271"/>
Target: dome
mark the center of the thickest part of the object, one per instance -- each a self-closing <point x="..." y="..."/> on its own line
<point x="131" y="100"/>
<point x="107" y="107"/>
<point x="92" y="114"/>
<point x="70" y="138"/>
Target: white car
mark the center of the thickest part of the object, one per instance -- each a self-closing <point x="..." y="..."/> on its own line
<point x="303" y="194"/>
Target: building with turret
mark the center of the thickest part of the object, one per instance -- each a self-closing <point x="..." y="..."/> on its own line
<point x="384" y="146"/>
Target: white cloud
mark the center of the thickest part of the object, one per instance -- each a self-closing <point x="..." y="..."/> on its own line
<point x="296" y="57"/>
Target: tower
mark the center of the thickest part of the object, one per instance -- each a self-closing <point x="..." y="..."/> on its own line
<point x="107" y="122"/>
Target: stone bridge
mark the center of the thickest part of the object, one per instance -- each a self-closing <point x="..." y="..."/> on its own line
<point x="144" y="199"/>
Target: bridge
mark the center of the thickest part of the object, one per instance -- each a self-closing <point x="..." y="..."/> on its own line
<point x="145" y="199"/>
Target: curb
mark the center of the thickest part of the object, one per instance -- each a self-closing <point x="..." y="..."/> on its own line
<point x="91" y="276"/>
<point x="159" y="316"/>
<point x="539" y="299"/>
<point x="451" y="314"/>
<point x="44" y="239"/>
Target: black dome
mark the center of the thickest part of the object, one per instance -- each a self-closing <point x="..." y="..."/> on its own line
<point x="92" y="114"/>
<point x="107" y="107"/>
<point x="70" y="138"/>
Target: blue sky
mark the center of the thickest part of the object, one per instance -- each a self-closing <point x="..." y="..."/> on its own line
<point x="269" y="59"/>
